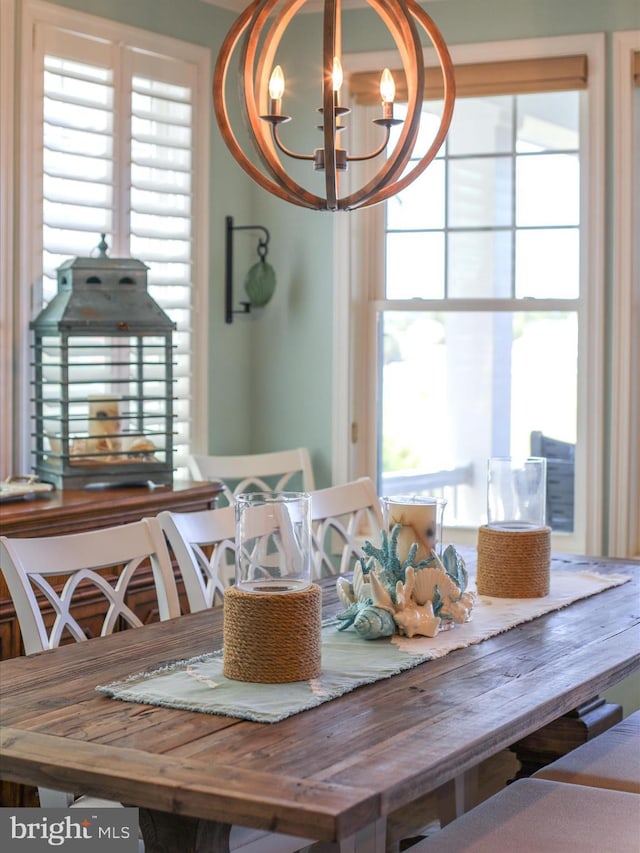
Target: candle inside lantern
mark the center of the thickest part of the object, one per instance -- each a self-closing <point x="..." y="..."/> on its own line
<point x="104" y="423"/>
<point x="421" y="520"/>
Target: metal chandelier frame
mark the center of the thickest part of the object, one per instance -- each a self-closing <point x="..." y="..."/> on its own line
<point x="258" y="32"/>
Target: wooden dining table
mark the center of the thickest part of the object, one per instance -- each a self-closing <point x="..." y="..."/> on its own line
<point x="333" y="773"/>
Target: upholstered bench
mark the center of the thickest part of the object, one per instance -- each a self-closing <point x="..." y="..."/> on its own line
<point x="610" y="760"/>
<point x="540" y="816"/>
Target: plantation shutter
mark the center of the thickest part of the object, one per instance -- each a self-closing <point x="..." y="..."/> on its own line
<point x="161" y="232"/>
<point x="78" y="149"/>
<point x="117" y="158"/>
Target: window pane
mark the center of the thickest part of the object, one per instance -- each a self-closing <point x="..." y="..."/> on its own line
<point x="77" y="69"/>
<point x="72" y="191"/>
<point x="74" y="166"/>
<point x="161" y="156"/>
<point x="481" y="126"/>
<point x="548" y="190"/>
<point x="479" y="264"/>
<point x="95" y="219"/>
<point x="160" y="108"/>
<point x="77" y="141"/>
<point x="160" y="226"/>
<point x="548" y="263"/>
<point x="476" y="385"/>
<point x="160" y="132"/>
<point x="415" y="266"/>
<point x="421" y="205"/>
<point x="73" y="115"/>
<point x="548" y="121"/>
<point x="161" y="180"/>
<point x="154" y="202"/>
<point x="480" y="192"/>
<point x="429" y="123"/>
<point x="74" y="90"/>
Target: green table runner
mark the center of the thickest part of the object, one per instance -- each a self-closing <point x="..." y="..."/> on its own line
<point x="347" y="661"/>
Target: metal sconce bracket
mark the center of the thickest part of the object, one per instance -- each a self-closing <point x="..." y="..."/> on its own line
<point x="263" y="245"/>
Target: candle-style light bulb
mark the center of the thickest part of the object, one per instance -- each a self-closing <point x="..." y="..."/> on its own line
<point x="276" y="83"/>
<point x="387" y="93"/>
<point x="387" y="87"/>
<point x="276" y="90"/>
<point x="336" y="75"/>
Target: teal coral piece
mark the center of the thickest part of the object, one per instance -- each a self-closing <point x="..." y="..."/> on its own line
<point x="392" y="568"/>
<point x="389" y="595"/>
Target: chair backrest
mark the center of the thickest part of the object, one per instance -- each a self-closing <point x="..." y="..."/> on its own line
<point x="560" y="479"/>
<point x="203" y="543"/>
<point x="283" y="470"/>
<point x="552" y="448"/>
<point x="342" y="517"/>
<point x="51" y="572"/>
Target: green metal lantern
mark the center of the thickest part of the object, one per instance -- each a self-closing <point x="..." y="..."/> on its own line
<point x="103" y="378"/>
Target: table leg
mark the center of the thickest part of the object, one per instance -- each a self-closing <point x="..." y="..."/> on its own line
<point x="172" y="833"/>
<point x="371" y="839"/>
<point x="564" y="734"/>
<point x="457" y="796"/>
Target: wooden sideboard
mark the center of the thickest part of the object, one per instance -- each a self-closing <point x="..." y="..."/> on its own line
<point x="79" y="510"/>
<point x="76" y="511"/>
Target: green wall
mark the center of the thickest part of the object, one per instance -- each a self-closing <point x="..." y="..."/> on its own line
<point x="270" y="373"/>
<point x="304" y="416"/>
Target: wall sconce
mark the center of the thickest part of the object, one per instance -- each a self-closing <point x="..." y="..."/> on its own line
<point x="260" y="281"/>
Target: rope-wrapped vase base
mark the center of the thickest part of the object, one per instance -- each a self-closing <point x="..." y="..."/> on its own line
<point x="271" y="638"/>
<point x="514" y="564"/>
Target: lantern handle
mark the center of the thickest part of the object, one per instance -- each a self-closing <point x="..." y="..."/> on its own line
<point x="102" y="246"/>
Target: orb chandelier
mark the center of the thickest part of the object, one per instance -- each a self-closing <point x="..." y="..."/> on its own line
<point x="256" y="35"/>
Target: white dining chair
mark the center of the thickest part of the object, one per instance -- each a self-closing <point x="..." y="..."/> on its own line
<point x="282" y="470"/>
<point x="45" y="577"/>
<point x="342" y="518"/>
<point x="203" y="543"/>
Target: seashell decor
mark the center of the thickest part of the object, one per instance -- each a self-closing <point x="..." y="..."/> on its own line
<point x="390" y="595"/>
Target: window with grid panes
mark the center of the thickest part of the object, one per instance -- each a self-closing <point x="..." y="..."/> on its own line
<point x="483" y="293"/>
<point x="478" y="227"/>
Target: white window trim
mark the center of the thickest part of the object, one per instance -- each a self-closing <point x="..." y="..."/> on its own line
<point x="624" y="506"/>
<point x="7" y="230"/>
<point x="30" y="254"/>
<point x="350" y="296"/>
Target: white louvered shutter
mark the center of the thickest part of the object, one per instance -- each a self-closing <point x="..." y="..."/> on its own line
<point x="118" y="158"/>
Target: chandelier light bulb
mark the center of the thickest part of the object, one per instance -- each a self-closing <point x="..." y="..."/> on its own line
<point x="336" y="75"/>
<point x="387" y="87"/>
<point x="276" y="84"/>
